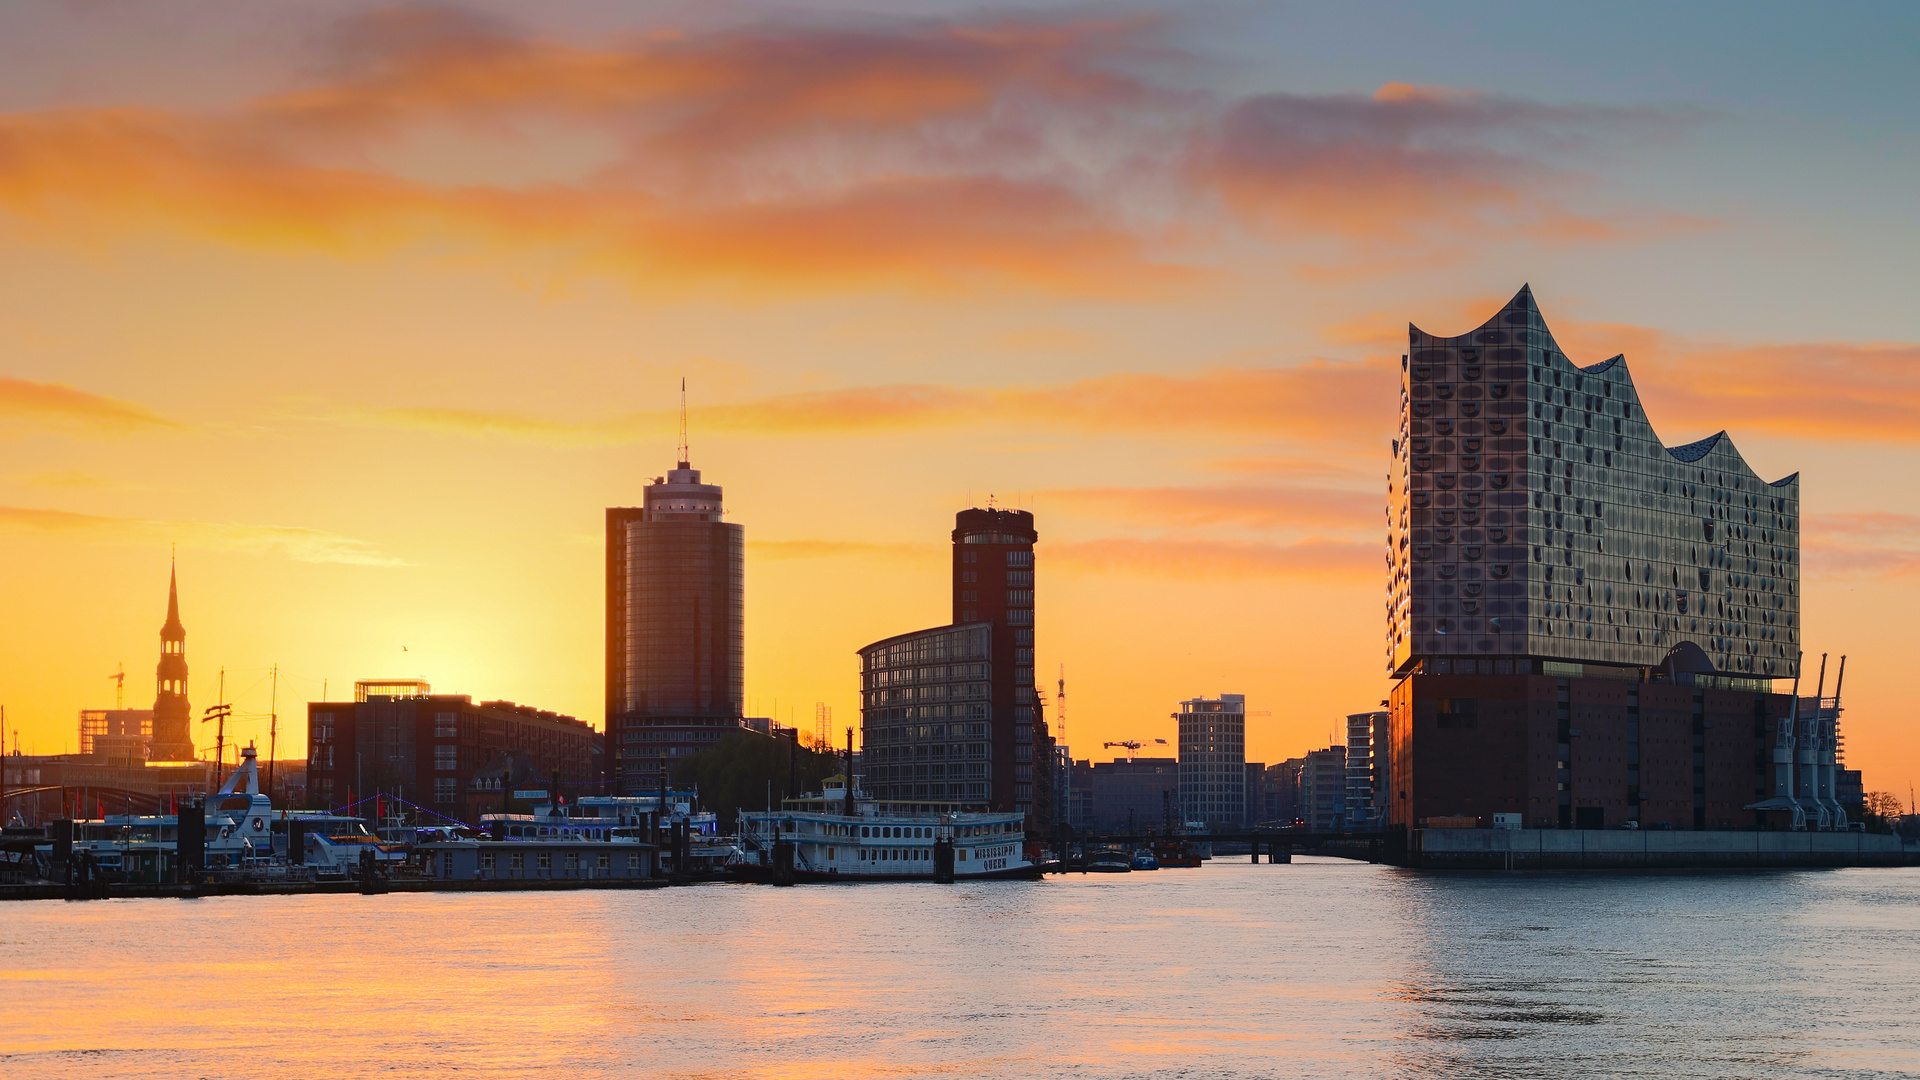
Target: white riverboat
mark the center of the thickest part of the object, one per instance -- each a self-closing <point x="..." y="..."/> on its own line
<point x="837" y="839"/>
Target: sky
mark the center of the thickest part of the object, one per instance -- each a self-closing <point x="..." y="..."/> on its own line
<point x="369" y="311"/>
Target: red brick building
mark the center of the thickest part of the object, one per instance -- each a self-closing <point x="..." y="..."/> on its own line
<point x="1580" y="752"/>
<point x="399" y="739"/>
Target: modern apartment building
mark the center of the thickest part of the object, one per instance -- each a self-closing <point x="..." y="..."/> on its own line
<point x="1367" y="743"/>
<point x="1213" y="759"/>
<point x="950" y="714"/>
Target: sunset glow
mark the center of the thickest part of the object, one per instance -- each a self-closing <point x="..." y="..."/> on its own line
<point x="372" y="311"/>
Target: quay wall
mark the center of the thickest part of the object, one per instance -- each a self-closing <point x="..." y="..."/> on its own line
<point x="1593" y="849"/>
<point x="126" y="890"/>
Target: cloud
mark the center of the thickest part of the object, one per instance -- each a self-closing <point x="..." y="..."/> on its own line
<point x="1413" y="162"/>
<point x="1173" y="558"/>
<point x="292" y="542"/>
<point x="1295" y="508"/>
<point x="785" y="550"/>
<point x="803" y="155"/>
<point x="46" y="403"/>
<point x="1860" y="545"/>
<point x="1332" y="402"/>
<point x="70" y="480"/>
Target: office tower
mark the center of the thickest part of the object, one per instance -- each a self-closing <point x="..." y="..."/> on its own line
<point x="1213" y="759"/>
<point x="950" y="714"/>
<point x="1581" y="618"/>
<point x="676" y="618"/>
<point x="172" y="715"/>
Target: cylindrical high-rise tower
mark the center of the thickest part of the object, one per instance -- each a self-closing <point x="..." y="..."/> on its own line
<point x="676" y="627"/>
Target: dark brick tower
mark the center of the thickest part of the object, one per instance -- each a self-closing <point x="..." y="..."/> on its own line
<point x="172" y="716"/>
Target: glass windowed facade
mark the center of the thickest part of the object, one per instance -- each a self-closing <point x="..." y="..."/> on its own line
<point x="676" y="627"/>
<point x="926" y="716"/>
<point x="1213" y="760"/>
<point x="1536" y="518"/>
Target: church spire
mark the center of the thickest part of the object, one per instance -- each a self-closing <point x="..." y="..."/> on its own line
<point x="174" y="630"/>
<point x="172" y="715"/>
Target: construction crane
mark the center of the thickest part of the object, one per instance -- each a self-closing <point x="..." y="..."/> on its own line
<point x="1132" y="746"/>
<point x="119" y="681"/>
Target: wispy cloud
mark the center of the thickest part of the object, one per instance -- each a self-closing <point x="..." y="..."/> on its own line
<point x="1288" y="508"/>
<point x="56" y="404"/>
<point x="1187" y="558"/>
<point x="1415" y="163"/>
<point x="808" y="155"/>
<point x="784" y="550"/>
<point x="70" y="480"/>
<point x="288" y="541"/>
<point x="1864" y="545"/>
<point x="1337" y="403"/>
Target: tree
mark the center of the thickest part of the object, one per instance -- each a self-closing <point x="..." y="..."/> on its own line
<point x="745" y="769"/>
<point x="1884" y="804"/>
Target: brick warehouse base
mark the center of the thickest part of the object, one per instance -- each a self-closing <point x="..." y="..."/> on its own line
<point x="1578" y="752"/>
<point x="1581" y="849"/>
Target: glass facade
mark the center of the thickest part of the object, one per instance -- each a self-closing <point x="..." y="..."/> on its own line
<point x="1534" y="515"/>
<point x="676" y="627"/>
<point x="926" y="716"/>
<point x="1213" y="760"/>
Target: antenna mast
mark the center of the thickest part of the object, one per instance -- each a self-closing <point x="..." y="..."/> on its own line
<point x="273" y="727"/>
<point x="685" y="460"/>
<point x="1060" y="705"/>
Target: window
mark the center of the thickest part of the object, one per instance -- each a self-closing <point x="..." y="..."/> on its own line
<point x="633" y="862"/>
<point x="545" y="860"/>
<point x="516" y="861"/>
<point x="445" y="789"/>
<point x="446" y="725"/>
<point x="486" y="860"/>
<point x="446" y="758"/>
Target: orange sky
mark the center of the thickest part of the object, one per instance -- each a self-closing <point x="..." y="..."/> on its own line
<point x="372" y="311"/>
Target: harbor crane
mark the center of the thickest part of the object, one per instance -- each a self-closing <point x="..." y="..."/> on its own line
<point x="1132" y="746"/>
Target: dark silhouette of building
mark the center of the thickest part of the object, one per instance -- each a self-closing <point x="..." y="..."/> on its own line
<point x="1585" y="622"/>
<point x="966" y="690"/>
<point x="440" y="751"/>
<point x="676" y="626"/>
<point x="1130" y="796"/>
<point x="172" y="716"/>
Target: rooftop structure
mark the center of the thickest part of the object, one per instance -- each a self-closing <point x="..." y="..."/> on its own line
<point x="1536" y="518"/>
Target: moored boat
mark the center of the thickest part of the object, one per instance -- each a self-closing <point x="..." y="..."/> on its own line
<point x="836" y="835"/>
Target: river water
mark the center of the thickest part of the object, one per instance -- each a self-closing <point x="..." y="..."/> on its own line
<point x="1323" y="968"/>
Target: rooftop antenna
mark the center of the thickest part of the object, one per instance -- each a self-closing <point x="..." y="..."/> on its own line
<point x="685" y="459"/>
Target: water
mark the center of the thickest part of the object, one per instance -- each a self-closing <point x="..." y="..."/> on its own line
<point x="1322" y="968"/>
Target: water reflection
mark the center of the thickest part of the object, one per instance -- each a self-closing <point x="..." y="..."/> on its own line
<point x="1315" y="969"/>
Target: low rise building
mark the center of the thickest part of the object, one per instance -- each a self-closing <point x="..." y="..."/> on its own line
<point x="1133" y="796"/>
<point x="398" y="738"/>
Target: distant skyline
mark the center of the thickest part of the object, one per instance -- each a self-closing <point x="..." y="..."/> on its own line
<point x="373" y="310"/>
